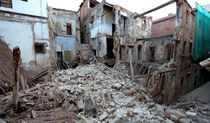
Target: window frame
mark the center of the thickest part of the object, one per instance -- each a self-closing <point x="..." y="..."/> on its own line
<point x="69" y="25"/>
<point x="6" y="3"/>
<point x="42" y="47"/>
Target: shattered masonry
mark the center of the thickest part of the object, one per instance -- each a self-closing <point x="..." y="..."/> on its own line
<point x="102" y="63"/>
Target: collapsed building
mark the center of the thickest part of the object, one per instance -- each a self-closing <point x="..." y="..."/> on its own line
<point x="155" y="61"/>
<point x="133" y="42"/>
<point x="119" y="38"/>
<point x="105" y="26"/>
<point x="177" y="50"/>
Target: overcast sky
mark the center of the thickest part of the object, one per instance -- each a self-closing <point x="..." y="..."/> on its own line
<point x="138" y="6"/>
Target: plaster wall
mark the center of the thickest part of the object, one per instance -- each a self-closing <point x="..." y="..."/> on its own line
<point x="24" y="32"/>
<point x="101" y="27"/>
<point x="19" y="34"/>
<point x="142" y="27"/>
<point x="68" y="43"/>
<point x="160" y="45"/>
<point x="62" y="18"/>
<point x="31" y="7"/>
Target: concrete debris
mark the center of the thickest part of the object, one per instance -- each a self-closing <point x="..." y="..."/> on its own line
<point x="95" y="93"/>
<point x="191" y="114"/>
<point x="2" y="121"/>
<point x="205" y="63"/>
<point x="179" y="114"/>
<point x="116" y="86"/>
<point x="103" y="116"/>
<point x="186" y="120"/>
<point x="34" y="114"/>
<point x="130" y="92"/>
<point x="80" y="104"/>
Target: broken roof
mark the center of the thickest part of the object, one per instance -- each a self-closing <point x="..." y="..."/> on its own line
<point x="95" y="2"/>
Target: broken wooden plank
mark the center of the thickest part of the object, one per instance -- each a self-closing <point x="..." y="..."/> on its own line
<point x="102" y="96"/>
<point x="205" y="63"/>
<point x="142" y="66"/>
<point x="148" y="75"/>
<point x="16" y="63"/>
<point x="131" y="65"/>
<point x="146" y="67"/>
<point x="165" y="71"/>
<point x="42" y="73"/>
<point x="22" y="82"/>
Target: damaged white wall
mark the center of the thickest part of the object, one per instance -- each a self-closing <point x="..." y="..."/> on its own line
<point x="65" y="43"/>
<point x="25" y="25"/>
<point x="17" y="38"/>
<point x="31" y="7"/>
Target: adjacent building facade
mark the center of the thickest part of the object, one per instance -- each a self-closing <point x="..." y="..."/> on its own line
<point x="65" y="22"/>
<point x="111" y="30"/>
<point x="24" y="23"/>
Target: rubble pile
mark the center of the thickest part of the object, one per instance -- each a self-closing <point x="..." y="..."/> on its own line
<point x="6" y="71"/>
<point x="96" y="93"/>
<point x="94" y="90"/>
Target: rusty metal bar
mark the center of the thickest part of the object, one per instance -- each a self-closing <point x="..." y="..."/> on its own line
<point x="156" y="8"/>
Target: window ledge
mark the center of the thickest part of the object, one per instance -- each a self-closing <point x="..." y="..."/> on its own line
<point x="6" y="2"/>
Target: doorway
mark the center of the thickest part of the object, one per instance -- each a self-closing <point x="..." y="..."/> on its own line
<point x="152" y="52"/>
<point x="110" y="46"/>
<point x="169" y="51"/>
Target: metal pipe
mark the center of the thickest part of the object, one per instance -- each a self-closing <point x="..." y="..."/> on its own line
<point x="156" y="8"/>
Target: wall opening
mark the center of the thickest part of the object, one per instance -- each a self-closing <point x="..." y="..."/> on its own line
<point x="6" y="3"/>
<point x="169" y="48"/>
<point x="173" y="78"/>
<point x="139" y="52"/>
<point x="110" y="46"/>
<point x="143" y="24"/>
<point x="187" y="16"/>
<point x="113" y="29"/>
<point x="131" y="49"/>
<point x="152" y="53"/>
<point x="68" y="29"/>
<point x="184" y="48"/>
<point x="39" y="48"/>
<point x="125" y="25"/>
<point x="92" y="5"/>
<point x="122" y="50"/>
<point x="60" y="55"/>
<point x="82" y="37"/>
<point x="182" y="82"/>
<point x="190" y="49"/>
<point x="94" y="52"/>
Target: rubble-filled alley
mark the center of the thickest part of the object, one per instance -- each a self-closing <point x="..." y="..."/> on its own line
<point x="104" y="63"/>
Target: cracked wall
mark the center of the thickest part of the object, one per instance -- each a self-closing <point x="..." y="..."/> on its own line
<point x="25" y="31"/>
<point x="184" y="34"/>
<point x="112" y="23"/>
<point x="65" y="21"/>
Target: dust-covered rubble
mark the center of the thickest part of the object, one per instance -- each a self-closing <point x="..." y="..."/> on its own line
<point x="96" y="93"/>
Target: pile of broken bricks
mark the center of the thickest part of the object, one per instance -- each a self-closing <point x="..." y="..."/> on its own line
<point x="96" y="93"/>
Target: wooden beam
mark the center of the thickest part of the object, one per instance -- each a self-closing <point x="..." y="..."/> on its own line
<point x="165" y="71"/>
<point x="16" y="63"/>
<point x="148" y="75"/>
<point x="131" y="65"/>
<point x="156" y="8"/>
<point x="142" y="66"/>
